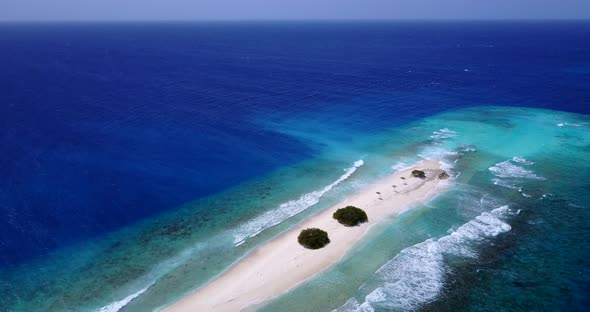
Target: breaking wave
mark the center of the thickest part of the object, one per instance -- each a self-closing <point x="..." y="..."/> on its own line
<point x="507" y="169"/>
<point x="565" y="124"/>
<point x="467" y="149"/>
<point x="416" y="275"/>
<point x="152" y="277"/>
<point x="118" y="305"/>
<point x="522" y="160"/>
<point x="443" y="134"/>
<point x="287" y="210"/>
<point x="401" y="165"/>
<point x="505" y="184"/>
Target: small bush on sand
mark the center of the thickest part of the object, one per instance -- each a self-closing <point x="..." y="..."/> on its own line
<point x="350" y="216"/>
<point x="313" y="238"/>
<point x="419" y="174"/>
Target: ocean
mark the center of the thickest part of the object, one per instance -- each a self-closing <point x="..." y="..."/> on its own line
<point x="140" y="160"/>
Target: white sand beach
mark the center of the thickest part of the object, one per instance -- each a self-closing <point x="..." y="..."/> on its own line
<point x="281" y="264"/>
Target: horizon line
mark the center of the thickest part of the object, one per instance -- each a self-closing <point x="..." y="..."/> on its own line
<point x="287" y="20"/>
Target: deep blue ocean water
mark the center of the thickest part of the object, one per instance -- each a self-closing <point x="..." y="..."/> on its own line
<point x="112" y="128"/>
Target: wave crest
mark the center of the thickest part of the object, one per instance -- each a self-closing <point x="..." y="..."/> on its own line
<point x="287" y="210"/>
<point x="118" y="305"/>
<point x="416" y="275"/>
<point x="443" y="134"/>
<point x="522" y="160"/>
<point x="507" y="169"/>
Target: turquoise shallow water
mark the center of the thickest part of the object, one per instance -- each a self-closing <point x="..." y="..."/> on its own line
<point x="139" y="160"/>
<point x="510" y="233"/>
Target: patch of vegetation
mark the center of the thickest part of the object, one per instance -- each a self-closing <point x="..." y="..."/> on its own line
<point x="313" y="238"/>
<point x="350" y="216"/>
<point x="419" y="174"/>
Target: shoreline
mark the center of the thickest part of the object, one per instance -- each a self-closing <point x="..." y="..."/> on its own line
<point x="281" y="264"/>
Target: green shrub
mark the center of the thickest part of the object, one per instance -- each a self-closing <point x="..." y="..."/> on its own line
<point x="419" y="174"/>
<point x="350" y="216"/>
<point x="313" y="238"/>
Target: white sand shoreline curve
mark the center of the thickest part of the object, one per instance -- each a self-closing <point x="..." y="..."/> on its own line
<point x="281" y="264"/>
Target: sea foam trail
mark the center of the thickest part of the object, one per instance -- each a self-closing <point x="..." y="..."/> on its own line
<point x="288" y="209"/>
<point x="505" y="184"/>
<point x="153" y="276"/>
<point x="507" y="169"/>
<point x="416" y="275"/>
<point x="118" y="305"/>
<point x="522" y="160"/>
<point x="564" y="124"/>
<point x="442" y="134"/>
<point x="436" y="151"/>
<point x="251" y="228"/>
<point x="401" y="165"/>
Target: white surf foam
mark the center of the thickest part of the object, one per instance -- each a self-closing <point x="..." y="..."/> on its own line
<point x="436" y="152"/>
<point x="467" y="149"/>
<point x="443" y="134"/>
<point x="507" y="169"/>
<point x="522" y="160"/>
<point x="565" y="124"/>
<point x="287" y="210"/>
<point x="353" y="305"/>
<point x="401" y="165"/>
<point x="416" y="275"/>
<point x="152" y="277"/>
<point x="439" y="154"/>
<point x="118" y="305"/>
<point x="433" y="152"/>
<point x="505" y="184"/>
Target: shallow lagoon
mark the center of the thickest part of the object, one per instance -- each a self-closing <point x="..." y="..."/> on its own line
<point x="517" y="197"/>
